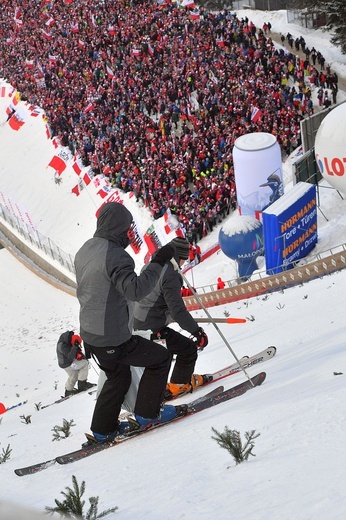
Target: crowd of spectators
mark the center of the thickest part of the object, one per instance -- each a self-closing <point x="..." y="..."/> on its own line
<point x="153" y="96"/>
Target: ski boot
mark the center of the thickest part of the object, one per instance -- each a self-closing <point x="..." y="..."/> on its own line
<point x="174" y="390"/>
<point x="167" y="413"/>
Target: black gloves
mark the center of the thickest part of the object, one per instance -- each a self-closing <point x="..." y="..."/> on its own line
<point x="201" y="338"/>
<point x="163" y="255"/>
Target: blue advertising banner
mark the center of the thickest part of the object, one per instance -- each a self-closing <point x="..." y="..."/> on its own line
<point x="290" y="228"/>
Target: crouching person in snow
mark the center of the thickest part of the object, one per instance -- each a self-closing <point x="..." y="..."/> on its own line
<point x="165" y="305"/>
<point x="73" y="361"/>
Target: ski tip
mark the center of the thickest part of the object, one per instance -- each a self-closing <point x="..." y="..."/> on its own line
<point x="236" y="320"/>
<point x="271" y="351"/>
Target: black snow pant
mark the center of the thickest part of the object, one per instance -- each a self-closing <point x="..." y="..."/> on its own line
<point x="116" y="362"/>
<point x="186" y="351"/>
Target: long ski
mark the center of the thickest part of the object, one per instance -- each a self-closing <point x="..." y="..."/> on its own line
<point x="235" y="368"/>
<point x="35" y="468"/>
<point x="245" y="362"/>
<point x="192" y="408"/>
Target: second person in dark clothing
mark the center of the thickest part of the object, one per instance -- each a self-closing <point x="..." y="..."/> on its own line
<point x="161" y="307"/>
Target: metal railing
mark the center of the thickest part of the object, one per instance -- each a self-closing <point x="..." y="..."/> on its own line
<point x="34" y="239"/>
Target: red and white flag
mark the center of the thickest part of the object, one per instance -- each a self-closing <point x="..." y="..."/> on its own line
<point x="86" y="179"/>
<point x="17" y="13"/>
<point x="151" y="49"/>
<point x="74" y="27"/>
<point x="48" y="131"/>
<point x="76" y="190"/>
<point x="188" y="3"/>
<point x="17" y="120"/>
<point x="77" y="164"/>
<point x="47" y="35"/>
<point x="104" y="191"/>
<point x="110" y="72"/>
<point x="106" y="169"/>
<point x="56" y="142"/>
<point x="89" y="108"/>
<point x="49" y="22"/>
<point x="111" y="29"/>
<point x="194" y="15"/>
<point x="29" y="64"/>
<point x="58" y="164"/>
<point x="81" y="44"/>
<point x="35" y="111"/>
<point x="256" y="114"/>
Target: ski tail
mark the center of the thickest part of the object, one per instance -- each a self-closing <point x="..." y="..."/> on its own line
<point x="35" y="468"/>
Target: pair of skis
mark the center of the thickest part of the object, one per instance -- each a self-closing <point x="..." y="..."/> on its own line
<point x="214" y="398"/>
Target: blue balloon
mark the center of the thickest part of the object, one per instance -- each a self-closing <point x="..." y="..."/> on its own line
<point x="241" y="239"/>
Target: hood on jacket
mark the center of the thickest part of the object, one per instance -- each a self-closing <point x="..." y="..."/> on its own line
<point x="113" y="220"/>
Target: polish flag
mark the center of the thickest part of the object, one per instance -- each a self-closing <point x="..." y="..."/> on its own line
<point x="77" y="164"/>
<point x="56" y="142"/>
<point x="86" y="179"/>
<point x="89" y="108"/>
<point x="81" y="44"/>
<point x="150" y="50"/>
<point x="75" y="27"/>
<point x="48" y="131"/>
<point x="111" y="29"/>
<point x="106" y="169"/>
<point x="17" y="13"/>
<point x="17" y="120"/>
<point x="256" y="114"/>
<point x="58" y="164"/>
<point x="110" y="72"/>
<point x="35" y="111"/>
<point x="76" y="190"/>
<point x="49" y="22"/>
<point x="194" y="15"/>
<point x="47" y="35"/>
<point x="29" y="64"/>
<point x="104" y="191"/>
<point x="188" y="3"/>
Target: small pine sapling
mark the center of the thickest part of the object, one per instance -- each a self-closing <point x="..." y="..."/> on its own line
<point x="65" y="429"/>
<point x="26" y="419"/>
<point x="230" y="440"/>
<point x="5" y="455"/>
<point x="73" y="504"/>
